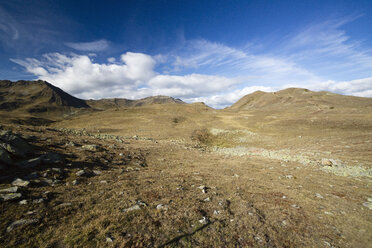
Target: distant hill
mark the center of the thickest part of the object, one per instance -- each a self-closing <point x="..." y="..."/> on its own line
<point x="39" y="102"/>
<point x="297" y="98"/>
<point x="122" y="102"/>
<point x="35" y="96"/>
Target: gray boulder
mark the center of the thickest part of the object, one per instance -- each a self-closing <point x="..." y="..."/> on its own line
<point x="21" y="183"/>
<point x="14" y="144"/>
<point x="132" y="208"/>
<point x="9" y="190"/>
<point x="10" y="196"/>
<point x="81" y="173"/>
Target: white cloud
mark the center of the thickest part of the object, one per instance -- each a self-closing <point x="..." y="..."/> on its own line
<point x="224" y="99"/>
<point x="95" y="46"/>
<point x="77" y="74"/>
<point x="132" y="77"/>
<point x="358" y="87"/>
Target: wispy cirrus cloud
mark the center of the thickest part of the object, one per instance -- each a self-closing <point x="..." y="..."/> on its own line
<point x="93" y="46"/>
<point x="25" y="28"/>
<point x="264" y="69"/>
<point x="8" y="27"/>
<point x="327" y="49"/>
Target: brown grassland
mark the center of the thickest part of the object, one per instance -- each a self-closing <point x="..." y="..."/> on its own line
<point x="253" y="175"/>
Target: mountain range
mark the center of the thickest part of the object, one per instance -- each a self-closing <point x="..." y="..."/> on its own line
<point x="37" y="102"/>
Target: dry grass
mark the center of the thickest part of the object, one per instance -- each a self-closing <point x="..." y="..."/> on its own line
<point x="253" y="201"/>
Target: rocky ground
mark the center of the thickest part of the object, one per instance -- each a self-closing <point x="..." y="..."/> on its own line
<point x="63" y="187"/>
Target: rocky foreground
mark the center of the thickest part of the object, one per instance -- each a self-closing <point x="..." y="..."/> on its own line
<point x="71" y="188"/>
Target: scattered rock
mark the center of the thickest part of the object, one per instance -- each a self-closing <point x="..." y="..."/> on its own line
<point x="75" y="182"/>
<point x="319" y="195"/>
<point x="109" y="240"/>
<point x="23" y="202"/>
<point x="103" y="182"/>
<point x="203" y="188"/>
<point x="368" y="205"/>
<point x="10" y="196"/>
<point x="71" y="144"/>
<point x="97" y="172"/>
<point x="37" y="201"/>
<point x="9" y="190"/>
<point x="132" y="208"/>
<point x="207" y="199"/>
<point x="58" y="170"/>
<point x="14" y="144"/>
<point x="81" y="173"/>
<point x="141" y="203"/>
<point x="30" y="163"/>
<point x="49" y="158"/>
<point x="289" y="176"/>
<point x="63" y="205"/>
<point x="47" y="182"/>
<point x="22" y="222"/>
<point x="203" y="221"/>
<point x="92" y="148"/>
<point x="328" y="162"/>
<point x="21" y="183"/>
<point x="327" y="243"/>
<point x="162" y="207"/>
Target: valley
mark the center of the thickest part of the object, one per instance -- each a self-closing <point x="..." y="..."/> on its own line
<point x="286" y="169"/>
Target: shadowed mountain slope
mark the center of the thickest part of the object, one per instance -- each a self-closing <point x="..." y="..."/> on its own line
<point x="35" y="96"/>
<point x="36" y="102"/>
<point x="39" y="102"/>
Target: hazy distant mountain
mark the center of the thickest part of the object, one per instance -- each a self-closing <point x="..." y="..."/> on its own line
<point x="122" y="102"/>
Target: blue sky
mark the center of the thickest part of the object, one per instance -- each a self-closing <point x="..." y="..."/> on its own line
<point x="211" y="51"/>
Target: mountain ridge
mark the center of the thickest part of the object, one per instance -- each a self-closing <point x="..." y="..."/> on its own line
<point x="11" y="91"/>
<point x="296" y="98"/>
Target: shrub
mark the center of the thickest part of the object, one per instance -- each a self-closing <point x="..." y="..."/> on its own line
<point x="201" y="136"/>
